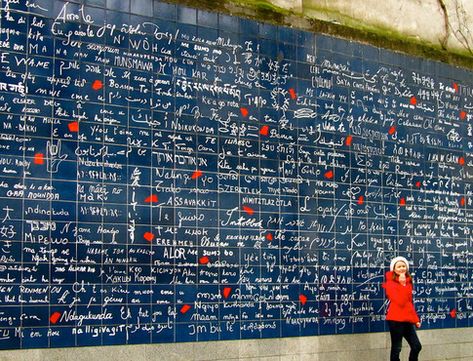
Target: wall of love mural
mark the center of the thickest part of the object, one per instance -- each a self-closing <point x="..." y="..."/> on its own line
<point x="169" y="174"/>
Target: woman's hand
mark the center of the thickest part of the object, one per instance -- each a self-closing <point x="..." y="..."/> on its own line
<point x="418" y="324"/>
<point x="402" y="279"/>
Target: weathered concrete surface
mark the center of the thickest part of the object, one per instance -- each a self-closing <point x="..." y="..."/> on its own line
<point x="438" y="345"/>
<point x="460" y="23"/>
<point x="421" y="19"/>
<point x="444" y="23"/>
<point x="293" y="5"/>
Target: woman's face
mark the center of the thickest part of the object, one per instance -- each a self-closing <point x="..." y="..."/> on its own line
<point x="400" y="267"/>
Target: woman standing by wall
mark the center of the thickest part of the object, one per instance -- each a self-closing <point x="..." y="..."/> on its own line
<point x="401" y="315"/>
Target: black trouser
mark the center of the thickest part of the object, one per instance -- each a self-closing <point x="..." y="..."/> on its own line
<point x="407" y="330"/>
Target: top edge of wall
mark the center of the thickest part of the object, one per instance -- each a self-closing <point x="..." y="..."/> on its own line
<point x="264" y="11"/>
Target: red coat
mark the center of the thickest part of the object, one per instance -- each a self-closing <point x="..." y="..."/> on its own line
<point x="401" y="306"/>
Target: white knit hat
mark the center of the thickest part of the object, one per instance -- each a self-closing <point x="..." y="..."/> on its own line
<point x="398" y="259"/>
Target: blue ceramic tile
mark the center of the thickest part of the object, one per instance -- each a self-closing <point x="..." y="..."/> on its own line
<point x="324" y="42"/>
<point x="100" y="3"/>
<point x="268" y="31"/>
<point x="118" y="5"/>
<point x="370" y="52"/>
<point x="287" y="35"/>
<point x="209" y="19"/>
<point x="116" y="18"/>
<point x="187" y="15"/>
<point x="342" y="46"/>
<point x="164" y="10"/>
<point x="96" y="15"/>
<point x="141" y="7"/>
<point x="229" y="23"/>
<point x="249" y="27"/>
